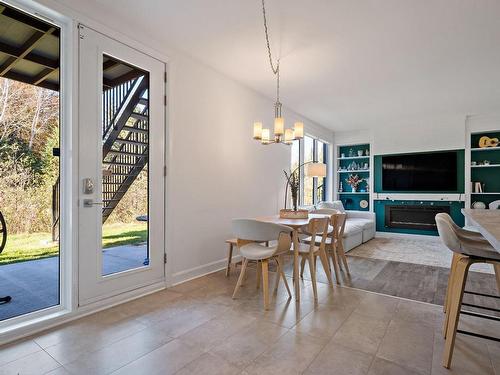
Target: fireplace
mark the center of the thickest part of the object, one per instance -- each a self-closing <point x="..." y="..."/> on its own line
<point x="413" y="217"/>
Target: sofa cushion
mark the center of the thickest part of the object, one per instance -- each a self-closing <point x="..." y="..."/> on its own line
<point x="363" y="223"/>
<point x="352" y="229"/>
<point x="336" y="205"/>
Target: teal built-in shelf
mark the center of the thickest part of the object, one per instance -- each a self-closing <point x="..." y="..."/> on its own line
<point x="355" y="160"/>
<point x="486" y="168"/>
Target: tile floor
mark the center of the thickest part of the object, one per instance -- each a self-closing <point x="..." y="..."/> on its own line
<point x="196" y="328"/>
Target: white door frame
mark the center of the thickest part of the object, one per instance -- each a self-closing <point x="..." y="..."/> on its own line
<point x="93" y="286"/>
<point x="67" y="241"/>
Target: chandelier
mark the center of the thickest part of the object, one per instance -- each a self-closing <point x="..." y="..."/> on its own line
<point x="280" y="135"/>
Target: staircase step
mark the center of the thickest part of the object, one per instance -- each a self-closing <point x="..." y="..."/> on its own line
<point x="139" y="116"/>
<point x="111" y="200"/>
<point x="129" y="142"/>
<point x="143" y="101"/>
<point x="116" y="152"/>
<point x="123" y="174"/>
<point x="135" y="130"/>
<point x="121" y="163"/>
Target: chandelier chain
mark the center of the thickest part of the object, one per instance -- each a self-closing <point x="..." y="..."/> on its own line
<point x="276" y="70"/>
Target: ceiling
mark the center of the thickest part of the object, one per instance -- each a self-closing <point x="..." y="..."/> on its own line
<point x="344" y="64"/>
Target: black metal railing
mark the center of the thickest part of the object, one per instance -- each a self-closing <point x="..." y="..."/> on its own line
<point x="113" y="100"/>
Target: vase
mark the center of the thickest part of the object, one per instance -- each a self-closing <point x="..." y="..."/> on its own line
<point x="353" y="189"/>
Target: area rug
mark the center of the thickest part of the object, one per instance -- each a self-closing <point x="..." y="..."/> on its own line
<point x="425" y="250"/>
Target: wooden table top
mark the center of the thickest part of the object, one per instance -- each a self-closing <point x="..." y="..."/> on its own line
<point x="488" y="223"/>
<point x="293" y="223"/>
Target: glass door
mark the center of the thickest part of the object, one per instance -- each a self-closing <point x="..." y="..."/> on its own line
<point x="30" y="159"/>
<point x="121" y="141"/>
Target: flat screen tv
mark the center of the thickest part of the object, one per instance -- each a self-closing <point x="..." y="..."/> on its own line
<point x="422" y="172"/>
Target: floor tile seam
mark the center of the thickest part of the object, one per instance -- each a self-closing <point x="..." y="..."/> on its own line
<point x="113" y="343"/>
<point x="25" y="355"/>
<point x="329" y="341"/>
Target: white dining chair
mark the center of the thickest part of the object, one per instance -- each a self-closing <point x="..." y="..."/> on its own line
<point x="251" y="237"/>
<point x="466" y="251"/>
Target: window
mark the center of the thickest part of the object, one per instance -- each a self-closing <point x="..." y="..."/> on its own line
<point x="313" y="189"/>
<point x="308" y="186"/>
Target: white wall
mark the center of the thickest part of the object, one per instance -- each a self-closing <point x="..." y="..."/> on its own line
<point x="216" y="171"/>
<point x="432" y="134"/>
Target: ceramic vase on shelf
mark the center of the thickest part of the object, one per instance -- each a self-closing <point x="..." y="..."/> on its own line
<point x="353" y="189"/>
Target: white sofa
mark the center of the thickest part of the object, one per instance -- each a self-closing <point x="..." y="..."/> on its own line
<point x="359" y="227"/>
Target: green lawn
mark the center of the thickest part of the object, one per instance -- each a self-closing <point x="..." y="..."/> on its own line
<point x="23" y="247"/>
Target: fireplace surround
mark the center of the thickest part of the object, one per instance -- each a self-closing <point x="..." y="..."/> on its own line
<point x="420" y="217"/>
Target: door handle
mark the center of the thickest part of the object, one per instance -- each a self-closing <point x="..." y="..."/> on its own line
<point x="91" y="203"/>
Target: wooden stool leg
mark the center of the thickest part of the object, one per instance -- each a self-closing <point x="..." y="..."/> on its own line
<point x="456" y="295"/>
<point x="265" y="282"/>
<point x="229" y="259"/>
<point x="326" y="265"/>
<point x="452" y="266"/>
<point x="241" y="278"/>
<point x="447" y="298"/>
<point x="313" y="275"/>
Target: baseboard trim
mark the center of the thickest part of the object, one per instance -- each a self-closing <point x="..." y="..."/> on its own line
<point x="199" y="271"/>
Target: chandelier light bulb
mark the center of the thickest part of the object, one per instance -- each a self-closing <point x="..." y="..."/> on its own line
<point x="279" y="126"/>
<point x="265" y="136"/>
<point x="257" y="130"/>
<point x="298" y="130"/>
<point x="289" y="136"/>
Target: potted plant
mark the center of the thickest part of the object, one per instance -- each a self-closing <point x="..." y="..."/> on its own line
<point x="354" y="180"/>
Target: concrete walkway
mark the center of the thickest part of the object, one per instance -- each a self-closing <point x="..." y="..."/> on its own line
<point x="34" y="285"/>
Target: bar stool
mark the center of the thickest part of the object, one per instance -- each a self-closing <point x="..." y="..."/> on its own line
<point x="467" y="235"/>
<point x="466" y="251"/>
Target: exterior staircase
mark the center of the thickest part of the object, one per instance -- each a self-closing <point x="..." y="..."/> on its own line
<point x="125" y="139"/>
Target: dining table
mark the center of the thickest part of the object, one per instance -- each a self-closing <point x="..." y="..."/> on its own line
<point x="487" y="222"/>
<point x="295" y="224"/>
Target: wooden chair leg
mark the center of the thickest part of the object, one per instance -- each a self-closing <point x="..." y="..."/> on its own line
<point x="496" y="267"/>
<point x="335" y="262"/>
<point x="278" y="276"/>
<point x="313" y="275"/>
<point x="241" y="278"/>
<point x="265" y="282"/>
<point x="283" y="276"/>
<point x="456" y="295"/>
<point x="343" y="257"/>
<point x="259" y="273"/>
<point x="229" y="259"/>
<point x="326" y="266"/>
<point x="302" y="266"/>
